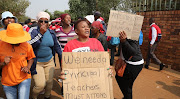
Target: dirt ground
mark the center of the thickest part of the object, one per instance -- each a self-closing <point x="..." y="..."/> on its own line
<point x="150" y="84"/>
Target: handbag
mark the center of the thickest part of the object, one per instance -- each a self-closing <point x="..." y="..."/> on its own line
<point x="120" y="67"/>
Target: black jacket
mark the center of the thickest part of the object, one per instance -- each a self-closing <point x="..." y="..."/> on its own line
<point x="131" y="48"/>
<point x="102" y="39"/>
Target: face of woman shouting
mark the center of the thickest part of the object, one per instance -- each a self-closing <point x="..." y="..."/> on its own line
<point x="83" y="30"/>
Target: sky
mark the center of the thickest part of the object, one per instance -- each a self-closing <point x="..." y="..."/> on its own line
<point x="40" y="5"/>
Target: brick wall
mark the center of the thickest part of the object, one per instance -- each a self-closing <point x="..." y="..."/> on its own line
<point x="168" y="50"/>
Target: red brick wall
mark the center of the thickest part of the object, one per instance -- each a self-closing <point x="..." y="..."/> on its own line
<point x="168" y="50"/>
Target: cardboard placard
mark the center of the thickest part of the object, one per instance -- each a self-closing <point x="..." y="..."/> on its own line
<point x="87" y="75"/>
<point x="123" y="21"/>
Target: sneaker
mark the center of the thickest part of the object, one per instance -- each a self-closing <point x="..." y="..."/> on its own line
<point x="146" y="66"/>
<point x="162" y="66"/>
<point x="47" y="97"/>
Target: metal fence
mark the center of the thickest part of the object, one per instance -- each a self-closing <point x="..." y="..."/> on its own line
<point x="156" y="5"/>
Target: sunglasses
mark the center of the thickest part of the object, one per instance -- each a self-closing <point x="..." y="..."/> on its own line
<point x="45" y="21"/>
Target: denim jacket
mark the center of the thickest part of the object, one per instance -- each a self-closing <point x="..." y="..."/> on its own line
<point x="36" y="41"/>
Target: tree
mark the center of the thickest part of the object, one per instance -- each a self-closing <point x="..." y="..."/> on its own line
<point x="51" y="15"/>
<point x="126" y="5"/>
<point x="104" y="6"/>
<point x="87" y="7"/>
<point x="77" y="8"/>
<point x="55" y="14"/>
<point x="58" y="13"/>
<point x="17" y="7"/>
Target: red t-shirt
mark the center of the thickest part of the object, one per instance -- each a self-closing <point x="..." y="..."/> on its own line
<point x="92" y="45"/>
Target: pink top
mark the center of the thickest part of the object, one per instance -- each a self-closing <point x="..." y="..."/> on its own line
<point x="92" y="45"/>
<point x="63" y="37"/>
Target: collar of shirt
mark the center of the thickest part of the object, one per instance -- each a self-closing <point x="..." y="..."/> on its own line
<point x="152" y="24"/>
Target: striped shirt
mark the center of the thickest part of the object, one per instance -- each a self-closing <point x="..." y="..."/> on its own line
<point x="63" y="37"/>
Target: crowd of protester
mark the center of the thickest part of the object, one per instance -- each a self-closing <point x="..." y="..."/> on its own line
<point x="28" y="51"/>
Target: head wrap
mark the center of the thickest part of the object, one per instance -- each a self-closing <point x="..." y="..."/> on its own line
<point x="63" y="16"/>
<point x="43" y="15"/>
<point x="96" y="24"/>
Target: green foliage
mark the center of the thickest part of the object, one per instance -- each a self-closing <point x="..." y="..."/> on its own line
<point x="55" y="14"/>
<point x="22" y="18"/>
<point x="58" y="13"/>
<point x="66" y="11"/>
<point x="104" y="6"/>
<point x="51" y="16"/>
<point x="126" y="5"/>
<point x="17" y="7"/>
<point x="78" y="8"/>
<point x="88" y="7"/>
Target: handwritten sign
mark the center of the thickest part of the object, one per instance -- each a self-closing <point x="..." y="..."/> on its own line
<point x="87" y="75"/>
<point x="123" y="21"/>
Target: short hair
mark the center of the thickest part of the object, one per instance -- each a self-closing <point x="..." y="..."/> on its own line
<point x="27" y="21"/>
<point x="77" y="22"/>
<point x="97" y="13"/>
<point x="152" y="19"/>
<point x="80" y="17"/>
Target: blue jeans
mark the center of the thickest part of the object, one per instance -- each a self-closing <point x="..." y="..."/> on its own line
<point x="23" y="90"/>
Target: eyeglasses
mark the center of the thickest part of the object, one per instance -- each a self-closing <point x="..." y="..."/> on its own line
<point x="45" y="21"/>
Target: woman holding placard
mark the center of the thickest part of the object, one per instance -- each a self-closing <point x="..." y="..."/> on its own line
<point x="131" y="55"/>
<point x="83" y="43"/>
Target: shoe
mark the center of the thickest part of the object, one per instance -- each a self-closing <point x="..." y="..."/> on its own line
<point x="47" y="98"/>
<point x="117" y="55"/>
<point x="146" y="66"/>
<point x="162" y="66"/>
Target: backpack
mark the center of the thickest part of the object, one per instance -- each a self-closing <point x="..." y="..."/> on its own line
<point x="159" y="37"/>
<point x="114" y="41"/>
<point x="140" y="38"/>
<point x="104" y="27"/>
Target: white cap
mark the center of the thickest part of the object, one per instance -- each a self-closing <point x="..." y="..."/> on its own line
<point x="90" y="18"/>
